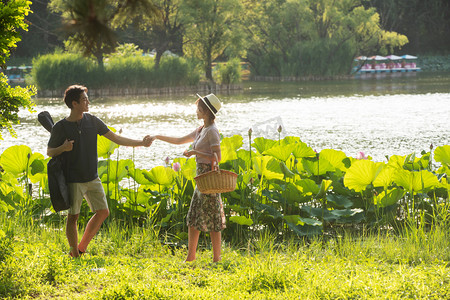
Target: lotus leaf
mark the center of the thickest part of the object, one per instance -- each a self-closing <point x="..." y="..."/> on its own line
<point x="325" y="185"/>
<point x="268" y="167"/>
<point x="302" y="150"/>
<point x="15" y="159"/>
<point x="138" y="176"/>
<point x="228" y="147"/>
<point x="282" y="152"/>
<point x="442" y="155"/>
<point x="117" y="170"/>
<point x="245" y="155"/>
<point x="385" y="177"/>
<point x="306" y="230"/>
<point x="308" y="186"/>
<point x="262" y="144"/>
<point x="317" y="166"/>
<point x="189" y="169"/>
<point x="397" y="161"/>
<point x="388" y="197"/>
<point x="161" y="175"/>
<point x="335" y="158"/>
<point x="319" y="212"/>
<point x="288" y="140"/>
<point x="241" y="220"/>
<point x="105" y="147"/>
<point x="415" y="181"/>
<point x="414" y="163"/>
<point x="339" y="201"/>
<point x="293" y="194"/>
<point x="346" y="212"/>
<point x="287" y="173"/>
<point x="361" y="174"/>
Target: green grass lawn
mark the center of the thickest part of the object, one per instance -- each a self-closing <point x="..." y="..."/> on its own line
<point x="130" y="263"/>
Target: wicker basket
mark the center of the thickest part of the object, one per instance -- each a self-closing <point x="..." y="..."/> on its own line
<point x="216" y="181"/>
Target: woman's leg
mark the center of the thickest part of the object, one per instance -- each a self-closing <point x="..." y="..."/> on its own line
<point x="216" y="241"/>
<point x="193" y="235"/>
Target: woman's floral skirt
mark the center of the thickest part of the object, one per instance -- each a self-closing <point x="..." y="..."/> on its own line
<point x="206" y="210"/>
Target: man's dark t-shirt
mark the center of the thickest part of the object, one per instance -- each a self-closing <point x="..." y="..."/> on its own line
<point x="83" y="159"/>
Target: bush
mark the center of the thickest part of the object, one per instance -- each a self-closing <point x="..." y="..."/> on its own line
<point x="59" y="70"/>
<point x="229" y="72"/>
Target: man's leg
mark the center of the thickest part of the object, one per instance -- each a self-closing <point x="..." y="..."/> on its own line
<point x="216" y="241"/>
<point x="72" y="234"/>
<point x="193" y="235"/>
<point x="92" y="228"/>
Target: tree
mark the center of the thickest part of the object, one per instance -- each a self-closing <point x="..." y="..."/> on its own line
<point x="313" y="37"/>
<point x="212" y="26"/>
<point x="166" y="32"/>
<point x="12" y="18"/>
<point x="90" y="24"/>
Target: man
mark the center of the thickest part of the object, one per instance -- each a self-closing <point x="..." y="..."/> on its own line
<point x="76" y="137"/>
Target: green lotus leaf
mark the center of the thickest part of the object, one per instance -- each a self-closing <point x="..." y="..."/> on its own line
<point x="287" y="173"/>
<point x="335" y="158"/>
<point x="228" y="147"/>
<point x="117" y="170"/>
<point x="288" y="140"/>
<point x="397" y="161"/>
<point x="15" y="159"/>
<point x="316" y="166"/>
<point x="105" y="147"/>
<point x="415" y="163"/>
<point x="385" y="177"/>
<point x="297" y="220"/>
<point x="138" y="176"/>
<point x="189" y="169"/>
<point x="325" y="186"/>
<point x="262" y="144"/>
<point x="303" y="150"/>
<point x="416" y="181"/>
<point x="308" y="186"/>
<point x="164" y="176"/>
<point x="339" y="201"/>
<point x="442" y="155"/>
<point x="361" y="174"/>
<point x="282" y="152"/>
<point x="245" y="155"/>
<point x="389" y="197"/>
<point x="268" y="167"/>
<point x="444" y="183"/>
<point x="293" y="194"/>
<point x="241" y="220"/>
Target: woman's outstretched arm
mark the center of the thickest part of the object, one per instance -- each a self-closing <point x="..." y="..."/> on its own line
<point x="177" y="140"/>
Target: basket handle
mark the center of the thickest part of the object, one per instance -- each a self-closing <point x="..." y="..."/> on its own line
<point x="217" y="162"/>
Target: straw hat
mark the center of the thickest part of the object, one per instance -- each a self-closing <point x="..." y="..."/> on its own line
<point x="212" y="102"/>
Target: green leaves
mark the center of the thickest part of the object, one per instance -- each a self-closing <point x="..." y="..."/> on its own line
<point x="361" y="174"/>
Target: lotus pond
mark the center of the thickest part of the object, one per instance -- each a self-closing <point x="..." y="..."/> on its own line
<point x="305" y="179"/>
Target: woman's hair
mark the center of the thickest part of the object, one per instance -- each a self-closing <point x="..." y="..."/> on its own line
<point x="205" y="107"/>
<point x="73" y="93"/>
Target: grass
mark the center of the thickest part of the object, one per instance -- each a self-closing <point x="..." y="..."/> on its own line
<point x="131" y="263"/>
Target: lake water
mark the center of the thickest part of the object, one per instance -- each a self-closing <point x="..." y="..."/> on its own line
<point x="380" y="116"/>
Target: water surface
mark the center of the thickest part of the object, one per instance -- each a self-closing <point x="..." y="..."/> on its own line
<point x="381" y="115"/>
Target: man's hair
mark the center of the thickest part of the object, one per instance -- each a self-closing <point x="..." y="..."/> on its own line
<point x="73" y="93"/>
<point x="204" y="107"/>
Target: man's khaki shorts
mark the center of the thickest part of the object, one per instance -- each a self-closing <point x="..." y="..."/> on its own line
<point x="93" y="192"/>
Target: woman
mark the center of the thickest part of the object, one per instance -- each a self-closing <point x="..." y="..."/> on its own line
<point x="206" y="210"/>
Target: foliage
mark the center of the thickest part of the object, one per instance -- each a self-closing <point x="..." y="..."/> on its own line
<point x="90" y="25"/>
<point x="58" y="70"/>
<point x="283" y="187"/>
<point x="129" y="262"/>
<point x="303" y="37"/>
<point x="12" y="16"/>
<point x="229" y="73"/>
<point x="211" y="27"/>
<point x="11" y="100"/>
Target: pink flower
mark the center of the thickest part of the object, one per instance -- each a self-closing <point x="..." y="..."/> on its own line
<point x="167" y="160"/>
<point x="176" y="167"/>
<point x="361" y="155"/>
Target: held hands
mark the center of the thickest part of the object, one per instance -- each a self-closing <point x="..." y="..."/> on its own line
<point x="148" y="140"/>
